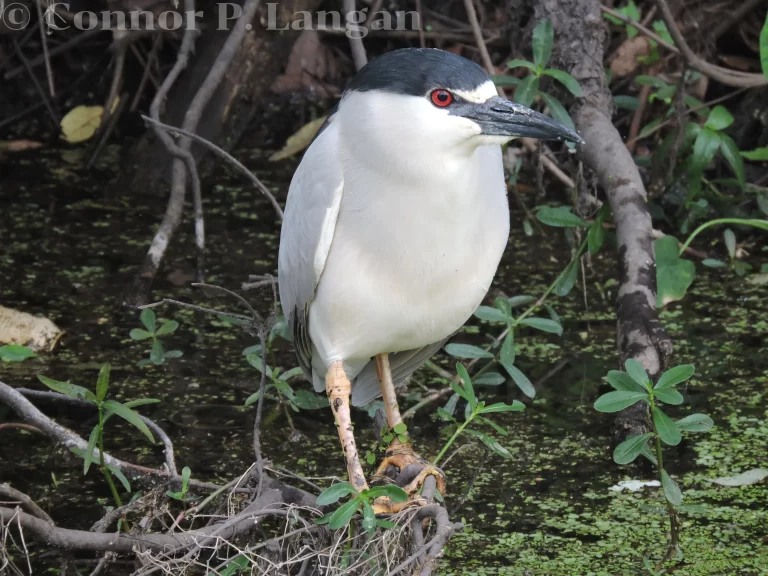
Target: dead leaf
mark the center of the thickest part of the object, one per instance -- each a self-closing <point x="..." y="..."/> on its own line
<point x="310" y="64"/>
<point x="625" y="61"/>
<point x="299" y="140"/>
<point x="742" y="63"/>
<point x="81" y="123"/>
<point x="744" y="479"/>
<point x="19" y="145"/>
<point x="27" y="330"/>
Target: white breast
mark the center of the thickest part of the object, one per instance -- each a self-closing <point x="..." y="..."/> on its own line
<point x="412" y="259"/>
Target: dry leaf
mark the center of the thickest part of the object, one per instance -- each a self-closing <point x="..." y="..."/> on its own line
<point x="744" y="479"/>
<point x="81" y="123"/>
<point x="19" y="145"/>
<point x="625" y="62"/>
<point x="27" y="330"/>
<point x="299" y="140"/>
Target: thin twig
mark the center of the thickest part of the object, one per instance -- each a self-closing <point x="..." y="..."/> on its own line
<point x="226" y="156"/>
<point x="355" y="40"/>
<point x="46" y="55"/>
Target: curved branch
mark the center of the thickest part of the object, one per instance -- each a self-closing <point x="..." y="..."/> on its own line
<point x="724" y="75"/>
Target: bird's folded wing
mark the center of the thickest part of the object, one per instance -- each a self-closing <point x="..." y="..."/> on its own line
<point x="308" y="228"/>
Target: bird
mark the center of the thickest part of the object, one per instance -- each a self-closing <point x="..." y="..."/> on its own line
<point x="394" y="225"/>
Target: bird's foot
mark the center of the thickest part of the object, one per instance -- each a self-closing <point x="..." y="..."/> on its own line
<point x="403" y="466"/>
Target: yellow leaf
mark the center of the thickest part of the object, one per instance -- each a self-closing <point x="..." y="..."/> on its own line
<point x="299" y="140"/>
<point x="81" y="123"/>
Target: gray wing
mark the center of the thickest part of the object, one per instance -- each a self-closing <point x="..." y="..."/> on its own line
<point x="309" y="223"/>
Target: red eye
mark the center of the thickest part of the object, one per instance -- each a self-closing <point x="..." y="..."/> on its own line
<point x="441" y="98"/>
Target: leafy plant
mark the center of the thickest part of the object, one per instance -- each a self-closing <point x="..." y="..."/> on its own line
<point x="360" y="500"/>
<point x="738" y="266"/>
<point x="633" y="386"/>
<point x="182" y="494"/>
<point x="764" y="47"/>
<point x="157" y="354"/>
<point x="475" y="412"/>
<point x="15" y="353"/>
<point x="527" y="90"/>
<point x="632" y="12"/>
<point x="106" y="409"/>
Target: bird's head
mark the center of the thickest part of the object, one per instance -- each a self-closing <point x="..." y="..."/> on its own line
<point x="414" y="100"/>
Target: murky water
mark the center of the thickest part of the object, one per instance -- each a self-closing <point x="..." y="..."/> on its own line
<point x="68" y="249"/>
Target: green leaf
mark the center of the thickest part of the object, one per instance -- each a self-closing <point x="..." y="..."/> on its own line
<point x="517" y="63"/>
<point x="649" y="455"/>
<point x="148" y="319"/>
<point x="309" y="400"/>
<point x="567" y="280"/>
<point x="341" y="517"/>
<point x="522" y="300"/>
<point x="668" y="396"/>
<point x="493" y="425"/>
<point x="489" y="378"/>
<point x="730" y="242"/>
<point x="543" y="35"/>
<point x="71" y="390"/>
<point x="731" y="153"/>
<point x="139" y="334"/>
<point x="521" y="380"/>
<point x="120" y="476"/>
<point x="88" y="454"/>
<point x="637" y="372"/>
<point x="129" y="416"/>
<point x="400" y="428"/>
<point x="467" y="351"/>
<point x="757" y="155"/>
<point x="673" y="274"/>
<point x="507" y="354"/>
<point x="450" y="406"/>
<point x="764" y="47"/>
<point x="558" y="111"/>
<point x="167" y="328"/>
<point x="661" y="29"/>
<point x="186" y="473"/>
<point x="674" y="376"/>
<point x="444" y="416"/>
<point x="102" y="382"/>
<point x="526" y="91"/>
<point x="516" y="406"/>
<point x="369" y="518"/>
<point x="624" y="102"/>
<point x="252" y="399"/>
<point x="15" y="353"/>
<point x="140" y="402"/>
<point x="704" y="148"/>
<point x="173" y="354"/>
<point x="388" y="524"/>
<point x="495" y="447"/>
<point x="666" y="427"/>
<point x="631" y="448"/>
<point x="671" y="490"/>
<point x="618" y="400"/>
<point x="713" y="263"/>
<point x="234" y="567"/>
<point x="565" y="79"/>
<point x="595" y="237"/>
<point x="624" y="382"/>
<point x="560" y="216"/>
<point x="491" y="314"/>
<point x="157" y="354"/>
<point x="464" y="375"/>
<point x="543" y="324"/>
<point x="333" y="493"/>
<point x="695" y="423"/>
<point x="719" y="119"/>
<point x="391" y="491"/>
<point x="503" y="305"/>
<point x="654" y="81"/>
<point x="255" y="361"/>
<point x="504" y="80"/>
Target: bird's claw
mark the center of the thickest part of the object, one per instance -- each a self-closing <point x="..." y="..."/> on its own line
<point x="404" y="467"/>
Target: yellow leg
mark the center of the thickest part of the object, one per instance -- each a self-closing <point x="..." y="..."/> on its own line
<point x="338" y="388"/>
<point x="411" y="468"/>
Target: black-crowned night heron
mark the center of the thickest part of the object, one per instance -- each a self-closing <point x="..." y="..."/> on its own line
<point x="395" y="223"/>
